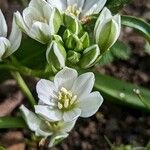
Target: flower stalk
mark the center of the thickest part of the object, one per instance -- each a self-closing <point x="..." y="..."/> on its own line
<point x="24" y="88"/>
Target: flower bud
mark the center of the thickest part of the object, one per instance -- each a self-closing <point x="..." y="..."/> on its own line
<point x="72" y="24"/>
<point x="74" y="43"/>
<point x="66" y="34"/>
<point x="73" y="57"/>
<point x="107" y="29"/>
<point x="85" y="39"/>
<point x="90" y="56"/>
<point x="58" y="39"/>
<point x="39" y="21"/>
<point x="56" y="55"/>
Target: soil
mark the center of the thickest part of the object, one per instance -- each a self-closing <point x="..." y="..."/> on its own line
<point x="122" y="126"/>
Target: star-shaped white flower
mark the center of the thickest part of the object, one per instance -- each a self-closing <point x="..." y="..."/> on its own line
<point x="57" y="130"/>
<point x="79" y="8"/>
<point x="11" y="44"/>
<point x="68" y="97"/>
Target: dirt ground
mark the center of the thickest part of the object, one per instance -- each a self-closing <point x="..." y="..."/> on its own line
<point x="122" y="126"/>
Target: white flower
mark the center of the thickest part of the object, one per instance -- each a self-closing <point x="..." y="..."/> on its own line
<point x="11" y="44"/>
<point x="57" y="130"/>
<point x="68" y="97"/>
<point x="79" y="8"/>
<point x="39" y="20"/>
<point x="107" y="29"/>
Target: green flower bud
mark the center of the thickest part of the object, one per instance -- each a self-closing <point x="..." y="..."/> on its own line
<point x="72" y="23"/>
<point x="107" y="29"/>
<point x="85" y="39"/>
<point x="66" y="34"/>
<point x="58" y="39"/>
<point x="56" y="55"/>
<point x="73" y="57"/>
<point x="56" y="19"/>
<point x="74" y="43"/>
<point x="90" y="56"/>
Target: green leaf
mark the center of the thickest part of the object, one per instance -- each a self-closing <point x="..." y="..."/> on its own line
<point x="116" y="5"/>
<point x="10" y="122"/>
<point x="138" y="24"/>
<point x="2" y="148"/>
<point x="32" y="54"/>
<point x="118" y="51"/>
<point x="121" y="92"/>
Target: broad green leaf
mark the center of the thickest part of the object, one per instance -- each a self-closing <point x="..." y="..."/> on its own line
<point x="2" y="148"/>
<point x="118" y="51"/>
<point x="116" y="5"/>
<point x="32" y="54"/>
<point x="138" y="24"/>
<point x="121" y="92"/>
<point x="12" y="122"/>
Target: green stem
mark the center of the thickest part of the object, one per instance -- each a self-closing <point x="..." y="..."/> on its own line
<point x="12" y="122"/>
<point x="24" y="88"/>
<point x="26" y="71"/>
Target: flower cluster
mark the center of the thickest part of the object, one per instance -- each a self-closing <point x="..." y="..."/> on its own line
<point x="61" y="103"/>
<point x="59" y="23"/>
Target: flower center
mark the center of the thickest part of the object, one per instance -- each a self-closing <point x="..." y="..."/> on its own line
<point x="66" y="100"/>
<point x="54" y="126"/>
<point x="72" y="9"/>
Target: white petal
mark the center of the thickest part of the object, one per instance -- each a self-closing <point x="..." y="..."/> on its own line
<point x="68" y="126"/>
<point x="31" y="119"/>
<point x="65" y="78"/>
<point x="41" y="32"/>
<point x="38" y="4"/>
<point x="89" y="105"/>
<point x="40" y="132"/>
<point x="20" y="22"/>
<point x="14" y="38"/>
<point x="55" y="139"/>
<point x="92" y="7"/>
<point x="4" y="46"/>
<point x="48" y="113"/>
<point x="31" y="15"/>
<point x="43" y="130"/>
<point x="60" y="4"/>
<point x="78" y="3"/>
<point x="46" y="91"/>
<point x="71" y="115"/>
<point x="3" y="27"/>
<point x="47" y="11"/>
<point x="117" y="19"/>
<point x="83" y="85"/>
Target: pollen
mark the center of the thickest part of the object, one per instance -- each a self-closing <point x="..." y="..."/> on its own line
<point x="72" y="9"/>
<point x="66" y="100"/>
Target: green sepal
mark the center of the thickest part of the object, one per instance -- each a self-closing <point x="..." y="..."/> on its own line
<point x="85" y="39"/>
<point x="56" y="55"/>
<point x="90" y="56"/>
